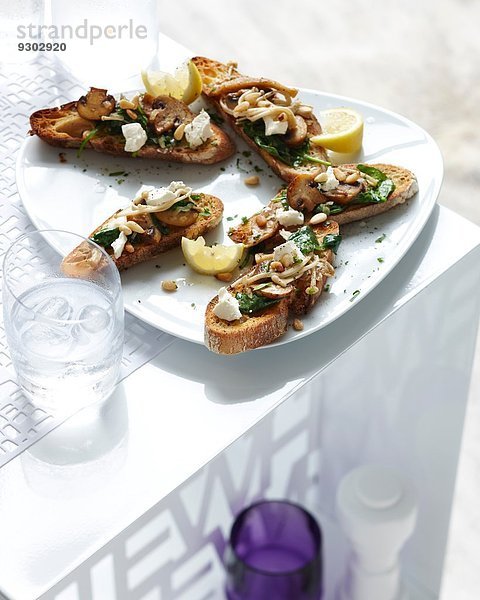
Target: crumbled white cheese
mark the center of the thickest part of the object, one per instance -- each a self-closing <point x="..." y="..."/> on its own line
<point x="163" y="198"/>
<point x="331" y="183"/>
<point x="288" y="249"/>
<point x="285" y="234"/>
<point x="135" y="136"/>
<point x="290" y="217"/>
<point x="227" y="307"/>
<point x="273" y="127"/>
<point x="199" y="130"/>
<point x="119" y="244"/>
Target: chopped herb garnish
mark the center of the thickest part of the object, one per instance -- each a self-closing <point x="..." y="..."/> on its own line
<point x="222" y="168"/>
<point x="257" y="169"/>
<point x="205" y="212"/>
<point x="229" y="218"/>
<point x="105" y="237"/>
<point x="305" y="239"/>
<point x="247" y="153"/>
<point x="240" y="167"/>
<point x="244" y="220"/>
<point x="252" y="303"/>
<point x="380" y="259"/>
<point x="117" y="174"/>
<point x="354" y="295"/>
<point x="326" y="288"/>
<point x="380" y="239"/>
<point x="195" y="196"/>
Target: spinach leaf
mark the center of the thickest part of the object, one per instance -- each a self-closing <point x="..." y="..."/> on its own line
<point x="105" y="237"/>
<point x="164" y="229"/>
<point x="332" y="242"/>
<point x="85" y="141"/>
<point x="275" y="145"/>
<point x="183" y="205"/>
<point x="376" y="195"/>
<point x="250" y="304"/>
<point x="373" y="172"/>
<point x="328" y="209"/>
<point x="215" y="117"/>
<point x="305" y="239"/>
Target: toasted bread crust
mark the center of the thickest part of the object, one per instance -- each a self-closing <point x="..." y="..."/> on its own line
<point x="233" y="337"/>
<point x="151" y="249"/>
<point x="406" y="186"/>
<point x="213" y="74"/>
<point x="51" y="125"/>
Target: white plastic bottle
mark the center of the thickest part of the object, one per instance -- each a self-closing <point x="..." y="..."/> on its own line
<point x="377" y="511"/>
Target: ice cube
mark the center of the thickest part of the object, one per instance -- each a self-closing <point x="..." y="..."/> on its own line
<point x="94" y="319"/>
<point x="55" y="307"/>
<point x="45" y="340"/>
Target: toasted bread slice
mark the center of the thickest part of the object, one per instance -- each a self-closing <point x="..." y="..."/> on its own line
<point x="303" y="194"/>
<point x="65" y="128"/>
<point x="264" y="327"/>
<point x="153" y="242"/>
<point x="219" y="79"/>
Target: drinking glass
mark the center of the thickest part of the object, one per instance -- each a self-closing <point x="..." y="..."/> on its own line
<point x="275" y="552"/>
<point x="64" y="321"/>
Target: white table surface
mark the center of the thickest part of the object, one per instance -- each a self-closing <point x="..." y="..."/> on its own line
<point x="94" y="475"/>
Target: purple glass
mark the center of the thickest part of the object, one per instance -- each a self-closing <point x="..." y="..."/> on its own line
<point x="275" y="553"/>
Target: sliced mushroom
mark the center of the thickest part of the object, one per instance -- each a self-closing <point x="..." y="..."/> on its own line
<point x="177" y="218"/>
<point x="297" y="135"/>
<point x="251" y="234"/>
<point x="73" y="125"/>
<point x="303" y="193"/>
<point x="345" y="193"/>
<point x="96" y="104"/>
<point x="164" y="112"/>
<point x="243" y="83"/>
<point x="276" y="291"/>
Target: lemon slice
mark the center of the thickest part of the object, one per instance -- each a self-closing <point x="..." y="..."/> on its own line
<point x="211" y="260"/>
<point x="342" y="130"/>
<point x="185" y="84"/>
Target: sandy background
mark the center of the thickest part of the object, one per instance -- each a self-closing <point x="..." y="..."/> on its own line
<point x="418" y="58"/>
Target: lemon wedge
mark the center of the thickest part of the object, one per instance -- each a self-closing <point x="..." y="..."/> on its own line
<point x="211" y="260"/>
<point x="342" y="130"/>
<point x="185" y="84"/>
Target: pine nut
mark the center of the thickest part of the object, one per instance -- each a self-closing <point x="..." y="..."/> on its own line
<point x="318" y="218"/>
<point x="169" y="285"/>
<point x="276" y="265"/>
<point x="286" y="260"/>
<point x="226" y="277"/>
<point x="321" y="177"/>
<point x="353" y="177"/>
<point x="261" y="220"/>
<point x="304" y="110"/>
<point x="124" y="103"/>
<point x="253" y="180"/>
<point x="298" y="325"/>
<point x="131" y="114"/>
<point x="339" y="174"/>
<point x="129" y="248"/>
<point x="178" y="134"/>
